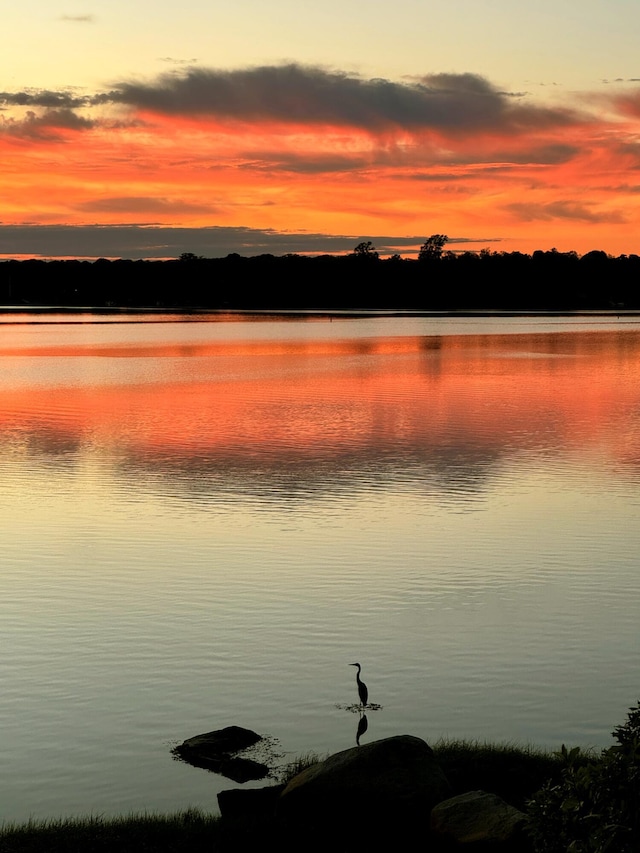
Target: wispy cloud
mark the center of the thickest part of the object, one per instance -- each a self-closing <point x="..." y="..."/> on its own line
<point x="78" y="19"/>
<point x="172" y="60"/>
<point x="145" y="204"/>
<point x="563" y="209"/>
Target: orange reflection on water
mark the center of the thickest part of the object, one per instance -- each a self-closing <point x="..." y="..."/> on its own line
<point x="324" y="398"/>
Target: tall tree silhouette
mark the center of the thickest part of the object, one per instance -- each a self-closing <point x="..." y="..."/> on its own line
<point x="431" y="249"/>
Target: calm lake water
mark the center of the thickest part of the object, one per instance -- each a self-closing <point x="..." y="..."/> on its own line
<point x="204" y="522"/>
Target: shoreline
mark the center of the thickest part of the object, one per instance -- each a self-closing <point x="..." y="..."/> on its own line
<point x="154" y="311"/>
<point x="515" y="773"/>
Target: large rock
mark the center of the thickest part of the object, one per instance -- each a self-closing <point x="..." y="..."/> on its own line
<point x="478" y="819"/>
<point x="391" y="783"/>
<point x="238" y="803"/>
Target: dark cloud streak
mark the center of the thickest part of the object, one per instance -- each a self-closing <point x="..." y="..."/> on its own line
<point x="310" y="95"/>
<point x="44" y="98"/>
<point x="151" y="241"/>
<point x="46" y="126"/>
<point x="456" y="104"/>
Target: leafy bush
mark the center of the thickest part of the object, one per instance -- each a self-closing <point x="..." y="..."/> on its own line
<point x="595" y="808"/>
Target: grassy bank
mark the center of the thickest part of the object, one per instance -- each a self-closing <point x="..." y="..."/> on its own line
<point x="188" y="831"/>
<point x="513" y="772"/>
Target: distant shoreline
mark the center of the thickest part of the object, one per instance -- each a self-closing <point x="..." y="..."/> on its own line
<point x="195" y="312"/>
<point x="547" y="283"/>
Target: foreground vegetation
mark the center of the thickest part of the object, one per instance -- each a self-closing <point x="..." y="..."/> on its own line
<point x="514" y="773"/>
<point x="595" y="806"/>
<point x="578" y="802"/>
<point x="187" y="831"/>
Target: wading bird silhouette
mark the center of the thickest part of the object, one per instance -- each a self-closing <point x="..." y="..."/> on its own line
<point x="363" y="693"/>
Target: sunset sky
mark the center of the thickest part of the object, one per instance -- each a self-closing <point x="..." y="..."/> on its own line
<point x="147" y="129"/>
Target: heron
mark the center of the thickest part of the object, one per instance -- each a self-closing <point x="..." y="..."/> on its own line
<point x="363" y="693"/>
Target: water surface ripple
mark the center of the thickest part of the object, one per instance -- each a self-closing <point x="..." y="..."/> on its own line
<point x="204" y="522"/>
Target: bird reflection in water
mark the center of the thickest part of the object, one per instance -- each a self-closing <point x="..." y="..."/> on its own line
<point x="363" y="725"/>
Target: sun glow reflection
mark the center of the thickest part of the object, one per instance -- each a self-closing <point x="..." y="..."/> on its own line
<point x="227" y="399"/>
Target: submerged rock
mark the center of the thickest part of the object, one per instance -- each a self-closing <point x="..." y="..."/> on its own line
<point x="221" y="742"/>
<point x="242" y="769"/>
<point x="217" y="751"/>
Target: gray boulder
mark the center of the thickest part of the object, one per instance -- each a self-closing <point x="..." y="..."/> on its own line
<point x="478" y="819"/>
<point x="385" y="785"/>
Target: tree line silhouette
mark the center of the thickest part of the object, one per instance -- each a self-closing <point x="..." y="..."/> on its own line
<point x="436" y="280"/>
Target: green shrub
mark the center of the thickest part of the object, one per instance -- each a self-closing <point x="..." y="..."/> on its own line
<point x="595" y="808"/>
